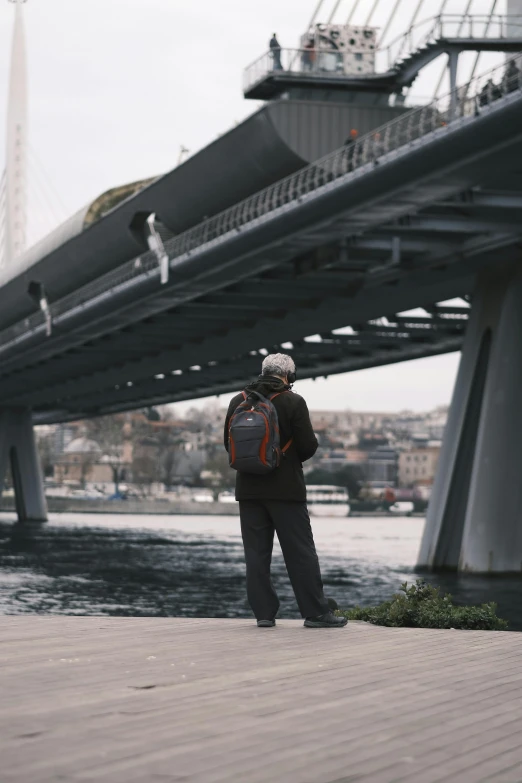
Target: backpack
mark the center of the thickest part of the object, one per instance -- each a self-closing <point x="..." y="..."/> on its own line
<point x="253" y="435"/>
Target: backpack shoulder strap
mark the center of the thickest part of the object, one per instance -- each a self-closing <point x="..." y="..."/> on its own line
<point x="271" y="398"/>
<point x="276" y="394"/>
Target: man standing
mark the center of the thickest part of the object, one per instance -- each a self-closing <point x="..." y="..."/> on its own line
<point x="276" y="502"/>
<point x="349" y="149"/>
<point x="275" y="50"/>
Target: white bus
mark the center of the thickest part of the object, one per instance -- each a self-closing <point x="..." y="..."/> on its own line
<point x="326" y="500"/>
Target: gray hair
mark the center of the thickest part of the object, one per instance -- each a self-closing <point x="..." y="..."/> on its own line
<point x="278" y="364"/>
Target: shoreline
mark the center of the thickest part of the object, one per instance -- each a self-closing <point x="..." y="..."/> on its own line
<point x="159" y="508"/>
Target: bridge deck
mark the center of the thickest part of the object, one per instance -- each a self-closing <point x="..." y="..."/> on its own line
<point x="220" y="700"/>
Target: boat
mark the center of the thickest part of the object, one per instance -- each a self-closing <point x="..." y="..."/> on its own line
<point x="402" y="508"/>
<point x="327" y="500"/>
<point x="227" y="497"/>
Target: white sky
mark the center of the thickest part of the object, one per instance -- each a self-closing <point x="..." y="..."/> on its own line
<point x="117" y="86"/>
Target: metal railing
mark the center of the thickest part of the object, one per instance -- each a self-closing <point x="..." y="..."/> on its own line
<point x="341" y="64"/>
<point x="476" y="97"/>
<point x="307" y="62"/>
<point x="448" y="26"/>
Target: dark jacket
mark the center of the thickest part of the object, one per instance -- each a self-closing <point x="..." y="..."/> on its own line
<point x="287" y="481"/>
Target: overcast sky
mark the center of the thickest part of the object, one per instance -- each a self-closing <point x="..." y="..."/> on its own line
<point x="118" y="86"/>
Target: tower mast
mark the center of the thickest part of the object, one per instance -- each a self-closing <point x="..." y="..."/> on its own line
<point x="16" y="153"/>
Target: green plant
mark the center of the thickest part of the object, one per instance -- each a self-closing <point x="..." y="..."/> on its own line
<point x="422" y="606"/>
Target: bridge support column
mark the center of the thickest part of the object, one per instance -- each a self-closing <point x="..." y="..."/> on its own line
<point x="18" y="445"/>
<point x="453" y="64"/>
<point x="474" y="521"/>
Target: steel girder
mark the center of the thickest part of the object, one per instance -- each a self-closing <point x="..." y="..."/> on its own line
<point x="377" y="245"/>
<point x="394" y="339"/>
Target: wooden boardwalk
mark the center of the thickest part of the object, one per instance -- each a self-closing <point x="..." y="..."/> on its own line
<point x="138" y="700"/>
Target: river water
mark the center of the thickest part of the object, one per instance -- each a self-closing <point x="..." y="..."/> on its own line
<point x="192" y="566"/>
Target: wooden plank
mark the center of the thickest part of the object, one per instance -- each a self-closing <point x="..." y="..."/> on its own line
<point x="209" y="701"/>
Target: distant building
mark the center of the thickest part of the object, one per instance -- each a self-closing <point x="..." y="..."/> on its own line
<point x="418" y="466"/>
<point x="372" y="440"/>
<point x="81" y="463"/>
<point x="382" y="467"/>
<point x="429" y="426"/>
<point x="337" y="459"/>
<point x="62" y="435"/>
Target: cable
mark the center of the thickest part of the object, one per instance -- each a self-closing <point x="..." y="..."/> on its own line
<point x="488" y="25"/>
<point x="352" y="12"/>
<point x="37" y="187"/>
<point x="416" y="13"/>
<point x="389" y="22"/>
<point x="443" y="72"/>
<point x="413" y="20"/>
<point x="441" y="11"/>
<point x="50" y="211"/>
<point x="369" y="17"/>
<point x="316" y="13"/>
<point x="47" y="215"/>
<point x="48" y="180"/>
<point x="336" y="6"/>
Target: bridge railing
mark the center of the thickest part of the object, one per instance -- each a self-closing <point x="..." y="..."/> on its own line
<point x="472" y="99"/>
<point x="448" y="26"/>
<point x="332" y="63"/>
<point x="360" y="155"/>
<point x="300" y="62"/>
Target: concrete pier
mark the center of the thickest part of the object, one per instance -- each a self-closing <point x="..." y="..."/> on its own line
<point x="18" y="448"/>
<point x="475" y="513"/>
<point x="133" y="700"/>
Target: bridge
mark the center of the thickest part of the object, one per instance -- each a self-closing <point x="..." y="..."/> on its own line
<point x="309" y="244"/>
<point x="403" y="58"/>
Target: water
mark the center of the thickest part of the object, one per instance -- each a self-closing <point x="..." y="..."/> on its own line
<point x="84" y="564"/>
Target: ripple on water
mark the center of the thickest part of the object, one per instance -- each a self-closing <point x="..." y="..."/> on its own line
<point x="82" y="564"/>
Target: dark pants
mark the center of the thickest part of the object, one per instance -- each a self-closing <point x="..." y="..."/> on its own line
<point x="290" y="520"/>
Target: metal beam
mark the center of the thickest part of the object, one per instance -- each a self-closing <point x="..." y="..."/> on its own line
<point x="422" y="177"/>
<point x="326" y="316"/>
<point x="459" y="225"/>
<point x="168" y="390"/>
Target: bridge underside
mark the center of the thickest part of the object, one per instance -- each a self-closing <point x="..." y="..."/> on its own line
<point x="326" y="264"/>
<point x="384" y="341"/>
<point x="409" y="228"/>
<point x="213" y="342"/>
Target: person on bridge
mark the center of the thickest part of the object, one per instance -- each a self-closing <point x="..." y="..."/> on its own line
<point x="308" y="55"/>
<point x="511" y="77"/>
<point x="349" y="149"/>
<point x="275" y="500"/>
<point x="275" y="51"/>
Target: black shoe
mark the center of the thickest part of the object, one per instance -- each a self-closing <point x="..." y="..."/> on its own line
<point x="327" y="620"/>
<point x="265" y="623"/>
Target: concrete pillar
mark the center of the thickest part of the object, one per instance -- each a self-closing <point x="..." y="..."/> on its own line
<point x="514" y="8"/>
<point x="474" y="520"/>
<point x="453" y="65"/>
<point x="18" y="445"/>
